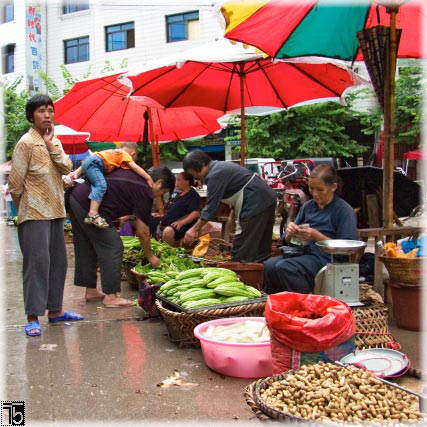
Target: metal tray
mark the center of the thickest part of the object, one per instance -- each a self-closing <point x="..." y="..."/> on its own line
<point x="213" y="307"/>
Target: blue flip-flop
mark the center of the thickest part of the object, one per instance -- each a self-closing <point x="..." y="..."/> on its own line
<point x="68" y="316"/>
<point x="31" y="327"/>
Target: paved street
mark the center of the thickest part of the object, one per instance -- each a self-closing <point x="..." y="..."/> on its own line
<point x="107" y="367"/>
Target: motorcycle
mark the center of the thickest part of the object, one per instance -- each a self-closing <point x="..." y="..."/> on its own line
<point x="294" y="178"/>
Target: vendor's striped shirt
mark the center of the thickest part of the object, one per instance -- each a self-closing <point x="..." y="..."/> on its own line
<point x="36" y="177"/>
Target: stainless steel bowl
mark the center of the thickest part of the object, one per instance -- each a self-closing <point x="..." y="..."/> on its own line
<point x="340" y="246"/>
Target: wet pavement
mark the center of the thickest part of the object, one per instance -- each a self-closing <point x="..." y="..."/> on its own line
<point x="107" y="366"/>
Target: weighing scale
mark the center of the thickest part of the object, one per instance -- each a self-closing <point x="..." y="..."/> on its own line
<point x="340" y="279"/>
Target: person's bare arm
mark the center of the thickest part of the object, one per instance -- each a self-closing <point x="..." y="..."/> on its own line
<point x="186" y="220"/>
<point x="143" y="233"/>
<point x="194" y="232"/>
<point x="141" y="172"/>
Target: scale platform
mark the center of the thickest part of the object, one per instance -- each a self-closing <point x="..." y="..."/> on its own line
<point x="340" y="279"/>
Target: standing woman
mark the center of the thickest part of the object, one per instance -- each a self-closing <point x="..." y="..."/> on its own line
<point x="35" y="183"/>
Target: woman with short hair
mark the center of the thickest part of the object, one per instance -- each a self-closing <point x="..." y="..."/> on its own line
<point x="35" y="183"/>
<point x="325" y="217"/>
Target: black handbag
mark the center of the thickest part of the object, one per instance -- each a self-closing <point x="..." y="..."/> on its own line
<point x="293" y="251"/>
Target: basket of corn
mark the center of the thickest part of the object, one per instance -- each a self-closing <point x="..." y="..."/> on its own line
<point x="198" y="295"/>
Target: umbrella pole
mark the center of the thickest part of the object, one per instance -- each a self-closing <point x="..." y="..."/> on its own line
<point x="389" y="98"/>
<point x="153" y="148"/>
<point x="242" y="116"/>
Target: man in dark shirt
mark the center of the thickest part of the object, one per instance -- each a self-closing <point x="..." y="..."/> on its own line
<point x="182" y="212"/>
<point x="252" y="200"/>
<point x="127" y="194"/>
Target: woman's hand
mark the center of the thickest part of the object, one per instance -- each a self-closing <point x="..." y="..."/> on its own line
<point x="291" y="229"/>
<point x="177" y="225"/>
<point x="154" y="261"/>
<point x="308" y="233"/>
<point x="48" y="138"/>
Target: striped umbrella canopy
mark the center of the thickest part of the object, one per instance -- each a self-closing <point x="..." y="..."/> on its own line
<point x="294" y="28"/>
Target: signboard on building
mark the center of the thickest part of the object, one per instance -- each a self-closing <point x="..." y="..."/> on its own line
<point x="33" y="46"/>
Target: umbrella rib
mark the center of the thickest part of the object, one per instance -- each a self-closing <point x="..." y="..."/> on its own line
<point x="99" y="106"/>
<point x="154" y="78"/>
<point x="313" y="78"/>
<point x="272" y="86"/>
<point x="168" y="105"/>
<point x="123" y="116"/>
<point x="232" y="72"/>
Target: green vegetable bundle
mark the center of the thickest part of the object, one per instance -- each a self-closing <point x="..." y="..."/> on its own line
<point x="133" y="255"/>
<point x="203" y="287"/>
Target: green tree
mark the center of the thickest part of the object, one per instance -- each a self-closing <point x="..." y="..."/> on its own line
<point x="407" y="107"/>
<point x="314" y="130"/>
<point x="16" y="123"/>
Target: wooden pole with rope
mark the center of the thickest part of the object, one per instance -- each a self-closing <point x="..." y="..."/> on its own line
<point x="242" y="115"/>
<point x="152" y="143"/>
<point x="389" y="101"/>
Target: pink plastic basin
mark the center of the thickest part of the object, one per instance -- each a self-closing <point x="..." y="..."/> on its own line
<point x="243" y="360"/>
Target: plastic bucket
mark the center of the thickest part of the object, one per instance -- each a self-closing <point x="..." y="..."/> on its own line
<point x="242" y="360"/>
<point x="406" y="305"/>
<point x="250" y="273"/>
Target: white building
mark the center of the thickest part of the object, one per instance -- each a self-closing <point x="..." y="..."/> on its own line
<point x="91" y="36"/>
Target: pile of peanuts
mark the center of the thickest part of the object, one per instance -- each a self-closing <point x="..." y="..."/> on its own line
<point x="328" y="392"/>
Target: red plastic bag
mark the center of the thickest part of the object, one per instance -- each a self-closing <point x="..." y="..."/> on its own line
<point x="309" y="323"/>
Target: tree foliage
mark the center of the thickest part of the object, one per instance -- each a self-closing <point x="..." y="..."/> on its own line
<point x="314" y="130"/>
<point x="407" y="117"/>
<point x="16" y="123"/>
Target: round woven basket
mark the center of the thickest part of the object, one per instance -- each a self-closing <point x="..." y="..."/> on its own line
<point x="372" y="327"/>
<point x="181" y="326"/>
<point x="404" y="270"/>
<point x="251" y="399"/>
<point x="268" y="410"/>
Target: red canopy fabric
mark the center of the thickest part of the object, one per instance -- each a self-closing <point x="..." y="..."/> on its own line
<point x="218" y="84"/>
<point x="418" y="154"/>
<point x="73" y="144"/>
<point x="99" y="106"/>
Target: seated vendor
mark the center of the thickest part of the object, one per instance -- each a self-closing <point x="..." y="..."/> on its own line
<point x="325" y="217"/>
<point x="182" y="212"/>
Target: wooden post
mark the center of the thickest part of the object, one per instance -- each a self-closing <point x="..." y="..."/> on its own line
<point x="153" y="147"/>
<point x="157" y="150"/>
<point x="389" y="94"/>
<point x="242" y="115"/>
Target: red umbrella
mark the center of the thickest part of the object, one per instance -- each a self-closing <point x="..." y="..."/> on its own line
<point x="99" y="106"/>
<point x="418" y="154"/>
<point x="227" y="77"/>
<point x="72" y="142"/>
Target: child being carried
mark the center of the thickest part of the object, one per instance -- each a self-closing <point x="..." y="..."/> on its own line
<point x="104" y="162"/>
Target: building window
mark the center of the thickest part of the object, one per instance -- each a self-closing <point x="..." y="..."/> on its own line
<point x="8" y="58"/>
<point x="184" y="26"/>
<point x="118" y="37"/>
<point x="8" y="11"/>
<point x="71" y="6"/>
<point x="76" y="50"/>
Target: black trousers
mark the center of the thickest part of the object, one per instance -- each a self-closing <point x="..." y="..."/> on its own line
<point x="253" y="244"/>
<point x="92" y="247"/>
<point x="44" y="265"/>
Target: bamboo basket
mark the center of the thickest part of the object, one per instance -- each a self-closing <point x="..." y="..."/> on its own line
<point x="404" y="270"/>
<point x="265" y="413"/>
<point x="372" y="328"/>
<point x="181" y="326"/>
